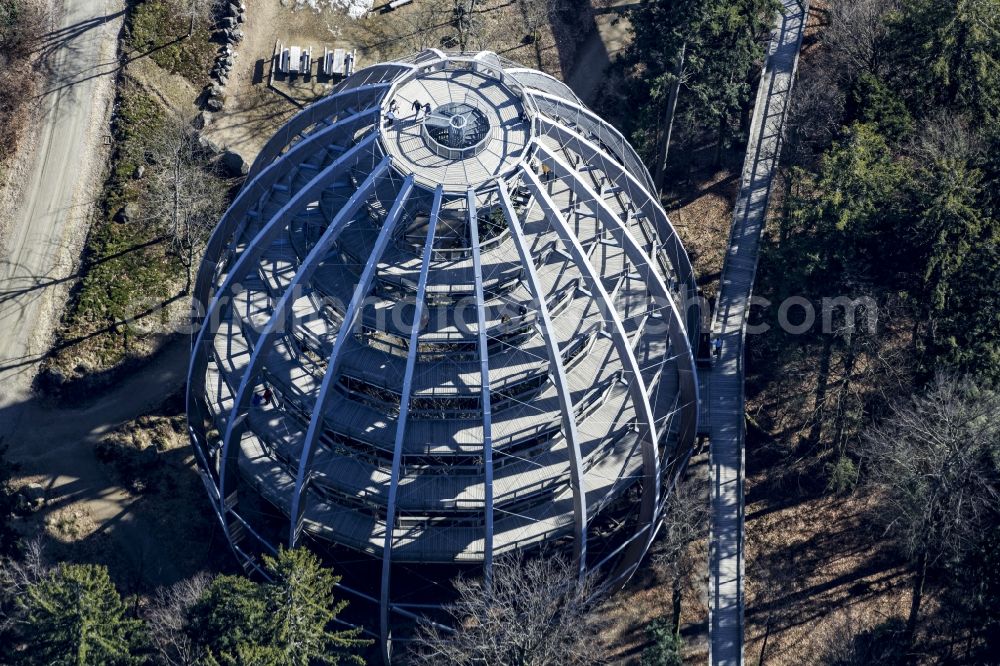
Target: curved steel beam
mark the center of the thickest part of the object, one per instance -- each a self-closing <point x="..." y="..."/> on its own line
<point x="484" y="381"/>
<point x="620" y="340"/>
<point x="404" y="409"/>
<point x="577" y="480"/>
<point x="668" y="235"/>
<point x="336" y="357"/>
<point x="623" y="178"/>
<point x="524" y="76"/>
<point x="311" y="115"/>
<point x="628" y="156"/>
<point x="279" y="317"/>
<point x="379" y="70"/>
<point x="222" y="300"/>
<point x="687" y="375"/>
<point x="256" y="187"/>
<point x="686" y="371"/>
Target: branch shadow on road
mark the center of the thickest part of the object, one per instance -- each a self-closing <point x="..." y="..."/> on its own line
<point x="60" y="55"/>
<point x="54" y="39"/>
<point x="22" y="291"/>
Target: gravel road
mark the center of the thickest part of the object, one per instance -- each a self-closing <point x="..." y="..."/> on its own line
<point x="53" y="188"/>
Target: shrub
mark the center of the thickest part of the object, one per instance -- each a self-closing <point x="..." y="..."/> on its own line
<point x="666" y="647"/>
<point x="22" y="23"/>
<point x="843" y="476"/>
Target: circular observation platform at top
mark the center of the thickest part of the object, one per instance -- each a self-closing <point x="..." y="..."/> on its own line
<point x="472" y="126"/>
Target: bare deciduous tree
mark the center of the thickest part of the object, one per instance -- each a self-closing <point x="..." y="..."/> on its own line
<point x="854" y="43"/>
<point x="856" y="35"/>
<point x="686" y="522"/>
<point x="16" y="576"/>
<point x="22" y="26"/>
<point x="465" y="21"/>
<point x="200" y="13"/>
<point x="536" y="16"/>
<point x="167" y="620"/>
<point x="535" y="613"/>
<point x="422" y="24"/>
<point x="935" y="460"/>
<point x="185" y="194"/>
<point x="948" y="138"/>
<point x="815" y="111"/>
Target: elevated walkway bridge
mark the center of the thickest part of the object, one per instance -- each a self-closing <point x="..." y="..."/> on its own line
<point x="723" y="393"/>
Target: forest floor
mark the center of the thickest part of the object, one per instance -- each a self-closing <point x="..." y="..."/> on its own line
<point x="610" y="34"/>
<point x="815" y="572"/>
<point x="120" y="484"/>
<point x="818" y="572"/>
<point x="648" y="596"/>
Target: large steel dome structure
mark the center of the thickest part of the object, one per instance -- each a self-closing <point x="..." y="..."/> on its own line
<point x="430" y="338"/>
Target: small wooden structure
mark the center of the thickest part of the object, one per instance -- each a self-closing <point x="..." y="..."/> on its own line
<point x="294" y="59"/>
<point x="337" y="62"/>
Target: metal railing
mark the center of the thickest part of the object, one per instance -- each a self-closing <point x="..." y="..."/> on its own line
<point x="760" y="155"/>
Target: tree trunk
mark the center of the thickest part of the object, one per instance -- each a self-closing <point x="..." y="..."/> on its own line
<point x="784" y="227"/>
<point x="676" y="619"/>
<point x="843" y="396"/>
<point x="958" y="54"/>
<point x="822" y="386"/>
<point x="668" y="120"/>
<point x="721" y="140"/>
<point x="177" y="203"/>
<point x="465" y="25"/>
<point x="915" y="336"/>
<point x="916" y="597"/>
<point x="763" y="644"/>
<point x="188" y="268"/>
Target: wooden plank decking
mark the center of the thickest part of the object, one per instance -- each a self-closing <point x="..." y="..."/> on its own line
<point x="726" y="398"/>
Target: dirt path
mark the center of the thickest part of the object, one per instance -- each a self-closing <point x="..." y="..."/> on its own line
<point x="60" y="173"/>
<point x="54" y="186"/>
<point x="55" y="447"/>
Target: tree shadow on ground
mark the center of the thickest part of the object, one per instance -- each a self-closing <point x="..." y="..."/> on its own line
<point x="160" y="536"/>
<point x="156" y="536"/>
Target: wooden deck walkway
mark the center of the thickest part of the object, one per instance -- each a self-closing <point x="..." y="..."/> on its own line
<point x="726" y="397"/>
